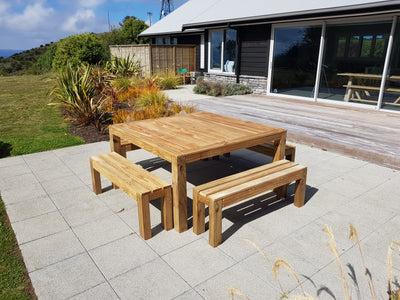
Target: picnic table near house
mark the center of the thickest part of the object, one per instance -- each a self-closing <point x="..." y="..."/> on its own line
<point x="357" y="90"/>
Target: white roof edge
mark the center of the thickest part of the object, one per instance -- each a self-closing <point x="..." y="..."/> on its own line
<point x="189" y="26"/>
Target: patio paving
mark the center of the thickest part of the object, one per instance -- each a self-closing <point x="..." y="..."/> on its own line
<point x="77" y="245"/>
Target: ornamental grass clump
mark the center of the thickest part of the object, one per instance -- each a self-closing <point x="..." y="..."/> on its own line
<point x="168" y="81"/>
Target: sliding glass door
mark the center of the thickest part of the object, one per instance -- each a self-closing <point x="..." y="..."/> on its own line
<point x="353" y="62"/>
<point x="295" y="60"/>
<point x="350" y="62"/>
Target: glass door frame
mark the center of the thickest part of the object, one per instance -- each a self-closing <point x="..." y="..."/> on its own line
<point x="393" y="18"/>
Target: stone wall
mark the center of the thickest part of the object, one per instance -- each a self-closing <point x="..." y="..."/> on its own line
<point x="257" y="83"/>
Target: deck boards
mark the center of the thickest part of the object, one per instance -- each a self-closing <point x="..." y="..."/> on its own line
<point x="365" y="134"/>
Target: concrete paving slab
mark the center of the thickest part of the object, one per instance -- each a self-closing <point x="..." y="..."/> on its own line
<point x="197" y="256"/>
<point x="153" y="280"/>
<point x="122" y="255"/>
<point x="69" y="182"/>
<point x="51" y="249"/>
<point x="101" y="231"/>
<point x="16" y="194"/>
<point x="28" y="209"/>
<point x="66" y="278"/>
<point x="101" y="291"/>
<point x="239" y="278"/>
<point x="85" y="212"/>
<point x="189" y="295"/>
<point x="72" y="197"/>
<point x="39" y="227"/>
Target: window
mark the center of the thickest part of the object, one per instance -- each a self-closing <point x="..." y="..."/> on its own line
<point x="222" y="50"/>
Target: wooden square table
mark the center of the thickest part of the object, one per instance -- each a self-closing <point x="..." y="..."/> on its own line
<point x="186" y="138"/>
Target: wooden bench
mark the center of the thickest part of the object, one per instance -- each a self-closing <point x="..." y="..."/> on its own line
<point x="232" y="189"/>
<point x="138" y="183"/>
<point x="269" y="149"/>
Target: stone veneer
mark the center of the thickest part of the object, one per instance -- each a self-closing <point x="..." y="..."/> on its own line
<point x="257" y="83"/>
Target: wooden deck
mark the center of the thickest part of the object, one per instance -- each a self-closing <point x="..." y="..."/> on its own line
<point x="369" y="135"/>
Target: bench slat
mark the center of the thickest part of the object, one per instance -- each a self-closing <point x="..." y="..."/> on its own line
<point x="257" y="186"/>
<point x="242" y="177"/>
<point x="149" y="180"/>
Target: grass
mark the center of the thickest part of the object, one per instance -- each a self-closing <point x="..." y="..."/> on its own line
<point x="14" y="279"/>
<point x="27" y="123"/>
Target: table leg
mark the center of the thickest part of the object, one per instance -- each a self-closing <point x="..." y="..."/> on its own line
<point x="178" y="166"/>
<point x="280" y="144"/>
<point x="348" y="90"/>
<point x="115" y="145"/>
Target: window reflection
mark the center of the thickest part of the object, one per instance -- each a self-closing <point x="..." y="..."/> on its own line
<point x="295" y="60"/>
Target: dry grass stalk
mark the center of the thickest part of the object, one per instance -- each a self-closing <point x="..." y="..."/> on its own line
<point x="234" y="291"/>
<point x="282" y="263"/>
<point x="354" y="236"/>
<point x="393" y="294"/>
<point x="333" y="248"/>
<point x="266" y="257"/>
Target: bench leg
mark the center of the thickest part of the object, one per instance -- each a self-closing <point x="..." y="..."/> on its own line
<point x="291" y="156"/>
<point x="144" y="217"/>
<point x="96" y="180"/>
<point x="215" y="223"/>
<point x="166" y="210"/>
<point x="300" y="191"/>
<point x="199" y="215"/>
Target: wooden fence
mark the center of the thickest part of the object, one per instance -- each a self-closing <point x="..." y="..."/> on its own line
<point x="158" y="59"/>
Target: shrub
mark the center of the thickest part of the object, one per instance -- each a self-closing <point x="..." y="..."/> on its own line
<point x="78" y="49"/>
<point x="217" y="89"/>
<point x="45" y="61"/>
<point x="236" y="89"/>
<point x="168" y="81"/>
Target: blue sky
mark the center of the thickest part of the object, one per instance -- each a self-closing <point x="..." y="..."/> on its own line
<point x="26" y="24"/>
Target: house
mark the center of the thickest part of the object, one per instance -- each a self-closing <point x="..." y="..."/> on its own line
<point x="339" y="51"/>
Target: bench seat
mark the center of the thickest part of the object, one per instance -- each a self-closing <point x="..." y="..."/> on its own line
<point x="269" y="149"/>
<point x="229" y="190"/>
<point x="138" y="183"/>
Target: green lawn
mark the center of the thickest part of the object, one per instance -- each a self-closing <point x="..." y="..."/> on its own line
<point x="14" y="279"/>
<point x="27" y="123"/>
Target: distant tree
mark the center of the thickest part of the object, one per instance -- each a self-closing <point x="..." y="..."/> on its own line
<point x="126" y="18"/>
<point x="131" y="28"/>
<point x="77" y="49"/>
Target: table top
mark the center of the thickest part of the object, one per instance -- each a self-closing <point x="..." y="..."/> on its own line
<point x="370" y="76"/>
<point x="195" y="136"/>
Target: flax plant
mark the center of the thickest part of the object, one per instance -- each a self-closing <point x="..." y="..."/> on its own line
<point x="76" y="91"/>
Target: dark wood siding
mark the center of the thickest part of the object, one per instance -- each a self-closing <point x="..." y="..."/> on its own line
<point x="254" y="50"/>
<point x="192" y="40"/>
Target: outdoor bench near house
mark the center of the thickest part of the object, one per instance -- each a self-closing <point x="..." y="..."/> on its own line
<point x="138" y="183"/>
<point x="229" y="190"/>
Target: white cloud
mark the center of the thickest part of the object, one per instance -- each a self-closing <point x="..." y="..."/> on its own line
<point x="83" y="20"/>
<point x="33" y="16"/>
